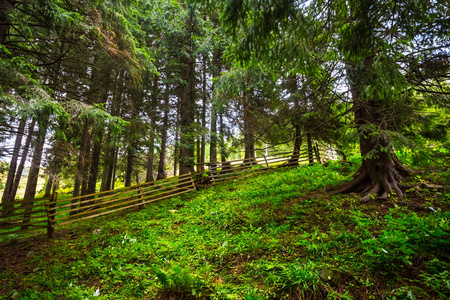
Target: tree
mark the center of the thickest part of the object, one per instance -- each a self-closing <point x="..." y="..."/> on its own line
<point x="371" y="40"/>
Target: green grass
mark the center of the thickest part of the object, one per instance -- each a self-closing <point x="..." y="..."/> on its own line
<point x="273" y="236"/>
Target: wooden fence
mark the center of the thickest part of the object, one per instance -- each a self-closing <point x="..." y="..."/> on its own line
<point x="50" y="212"/>
<point x="222" y="171"/>
<point x="20" y="216"/>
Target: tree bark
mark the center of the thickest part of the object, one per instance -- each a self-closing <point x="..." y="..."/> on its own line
<point x="151" y="146"/>
<point x="5" y="8"/>
<point x="249" y="135"/>
<point x="162" y="153"/>
<point x="33" y="175"/>
<point x="213" y="139"/>
<point x="203" y="117"/>
<point x="86" y="163"/>
<point x="23" y="159"/>
<point x="187" y="113"/>
<point x="310" y="148"/>
<point x="95" y="162"/>
<point x="381" y="170"/>
<point x="293" y="89"/>
<point x="80" y="165"/>
<point x="129" y="170"/>
<point x="13" y="162"/>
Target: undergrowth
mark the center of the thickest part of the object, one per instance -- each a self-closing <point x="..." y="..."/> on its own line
<point x="272" y="236"/>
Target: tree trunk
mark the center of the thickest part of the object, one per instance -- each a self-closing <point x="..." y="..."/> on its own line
<point x="162" y="153"/>
<point x="380" y="171"/>
<point x="33" y="175"/>
<point x="223" y="150"/>
<point x="249" y="135"/>
<point x="310" y="148"/>
<point x="213" y="139"/>
<point x="5" y="8"/>
<point x="152" y="114"/>
<point x="203" y="117"/>
<point x="198" y="158"/>
<point x="150" y="158"/>
<point x="187" y="113"/>
<point x="129" y="170"/>
<point x="23" y="159"/>
<point x="108" y="168"/>
<point x="48" y="186"/>
<point x="95" y="162"/>
<point x="295" y="119"/>
<point x="114" y="168"/>
<point x="86" y="163"/>
<point x="13" y="162"/>
<point x="297" y="144"/>
<point x="80" y="166"/>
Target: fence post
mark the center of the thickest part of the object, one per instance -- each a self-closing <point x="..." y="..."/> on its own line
<point x="316" y="148"/>
<point x="193" y="182"/>
<point x="265" y="158"/>
<point x="50" y="208"/>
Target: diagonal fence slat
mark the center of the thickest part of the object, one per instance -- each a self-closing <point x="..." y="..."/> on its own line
<point x="219" y="171"/>
<point x="48" y="213"/>
<point x="20" y="216"/>
<point x="120" y="199"/>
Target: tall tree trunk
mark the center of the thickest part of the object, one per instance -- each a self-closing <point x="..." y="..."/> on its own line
<point x="150" y="159"/>
<point x="5" y="8"/>
<point x="23" y="159"/>
<point x="187" y="102"/>
<point x="162" y="153"/>
<point x="176" y="152"/>
<point x="380" y="171"/>
<point x="153" y="116"/>
<point x="213" y="140"/>
<point x="108" y="168"/>
<point x="187" y="113"/>
<point x="48" y="186"/>
<point x="80" y="165"/>
<point x="100" y="83"/>
<point x="310" y="148"/>
<point x="295" y="119"/>
<point x="297" y="144"/>
<point x="129" y="170"/>
<point x="33" y="175"/>
<point x="13" y="162"/>
<point x="114" y="167"/>
<point x="198" y="156"/>
<point x="86" y="163"/>
<point x="203" y="116"/>
<point x="217" y="67"/>
<point x="223" y="148"/>
<point x="249" y="135"/>
<point x="95" y="162"/>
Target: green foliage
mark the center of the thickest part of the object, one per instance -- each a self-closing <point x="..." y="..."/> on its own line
<point x="264" y="237"/>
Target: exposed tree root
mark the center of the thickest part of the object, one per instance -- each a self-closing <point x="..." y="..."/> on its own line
<point x="376" y="181"/>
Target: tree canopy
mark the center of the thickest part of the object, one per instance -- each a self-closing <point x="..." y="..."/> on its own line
<point x="101" y="91"/>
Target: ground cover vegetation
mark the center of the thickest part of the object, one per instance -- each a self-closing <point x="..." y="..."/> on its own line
<point x="99" y="94"/>
<point x="272" y="236"/>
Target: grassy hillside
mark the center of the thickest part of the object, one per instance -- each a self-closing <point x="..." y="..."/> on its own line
<point x="275" y="236"/>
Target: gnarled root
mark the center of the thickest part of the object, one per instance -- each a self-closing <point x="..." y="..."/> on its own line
<point x="375" y="182"/>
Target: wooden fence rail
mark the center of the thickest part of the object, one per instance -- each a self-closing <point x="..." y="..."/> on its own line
<point x="222" y="171"/>
<point x="50" y="212"/>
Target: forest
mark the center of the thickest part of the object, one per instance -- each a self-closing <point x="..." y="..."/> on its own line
<point x="100" y="96"/>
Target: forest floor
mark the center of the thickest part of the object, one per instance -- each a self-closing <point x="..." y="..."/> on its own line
<point x="272" y="236"/>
